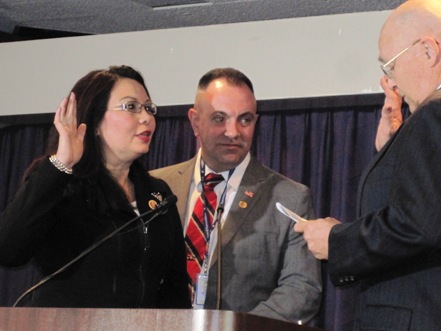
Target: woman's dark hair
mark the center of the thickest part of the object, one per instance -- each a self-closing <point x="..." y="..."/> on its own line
<point x="92" y="94"/>
<point x="92" y="180"/>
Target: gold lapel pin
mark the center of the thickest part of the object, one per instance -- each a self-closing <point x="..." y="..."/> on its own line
<point x="243" y="204"/>
<point x="152" y="204"/>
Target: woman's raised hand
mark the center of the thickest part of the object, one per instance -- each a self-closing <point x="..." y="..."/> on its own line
<point x="71" y="135"/>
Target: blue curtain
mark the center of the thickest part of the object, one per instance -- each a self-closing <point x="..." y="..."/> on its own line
<point x="326" y="150"/>
<point x="324" y="144"/>
<point x="19" y="145"/>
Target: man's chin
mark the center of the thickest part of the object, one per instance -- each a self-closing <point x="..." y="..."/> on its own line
<point x="412" y="106"/>
<point x="227" y="163"/>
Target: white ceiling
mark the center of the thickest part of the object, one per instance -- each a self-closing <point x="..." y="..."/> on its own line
<point x="37" y="19"/>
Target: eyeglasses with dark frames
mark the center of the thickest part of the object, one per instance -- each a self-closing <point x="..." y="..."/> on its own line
<point x="388" y="67"/>
<point x="136" y="107"/>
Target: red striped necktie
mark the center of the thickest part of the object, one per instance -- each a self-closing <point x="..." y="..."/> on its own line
<point x="196" y="235"/>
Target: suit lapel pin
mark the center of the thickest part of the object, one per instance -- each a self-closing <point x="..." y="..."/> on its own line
<point x="249" y="193"/>
<point x="243" y="204"/>
<point x="152" y="204"/>
<point x="158" y="196"/>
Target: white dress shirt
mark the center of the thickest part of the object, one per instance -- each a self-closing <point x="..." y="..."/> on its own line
<point x="231" y="189"/>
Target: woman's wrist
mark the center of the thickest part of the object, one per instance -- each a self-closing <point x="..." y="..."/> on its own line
<point x="59" y="165"/>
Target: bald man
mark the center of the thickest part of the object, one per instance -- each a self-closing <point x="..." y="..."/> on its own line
<point x="393" y="248"/>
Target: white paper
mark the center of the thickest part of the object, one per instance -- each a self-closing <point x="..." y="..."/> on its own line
<point x="292" y="215"/>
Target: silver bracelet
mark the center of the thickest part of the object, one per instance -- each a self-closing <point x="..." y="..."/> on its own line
<point x="59" y="165"/>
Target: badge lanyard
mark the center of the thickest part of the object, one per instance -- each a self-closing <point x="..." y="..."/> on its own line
<point x="220" y="206"/>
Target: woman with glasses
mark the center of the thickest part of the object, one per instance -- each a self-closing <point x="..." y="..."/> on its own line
<point x="75" y="214"/>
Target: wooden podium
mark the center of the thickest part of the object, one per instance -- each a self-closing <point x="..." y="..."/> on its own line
<point x="80" y="319"/>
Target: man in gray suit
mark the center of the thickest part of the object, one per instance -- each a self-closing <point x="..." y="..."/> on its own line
<point x="394" y="246"/>
<point x="265" y="268"/>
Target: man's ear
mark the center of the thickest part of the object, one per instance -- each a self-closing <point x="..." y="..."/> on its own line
<point x="432" y="50"/>
<point x="193" y="116"/>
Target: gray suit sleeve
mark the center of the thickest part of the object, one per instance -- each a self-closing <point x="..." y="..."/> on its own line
<point x="297" y="296"/>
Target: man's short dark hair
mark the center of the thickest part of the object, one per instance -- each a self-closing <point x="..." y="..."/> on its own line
<point x="232" y="76"/>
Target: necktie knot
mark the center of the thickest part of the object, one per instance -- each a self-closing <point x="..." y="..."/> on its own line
<point x="211" y="180"/>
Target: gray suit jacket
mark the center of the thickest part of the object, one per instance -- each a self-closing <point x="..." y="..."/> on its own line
<point x="266" y="267"/>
